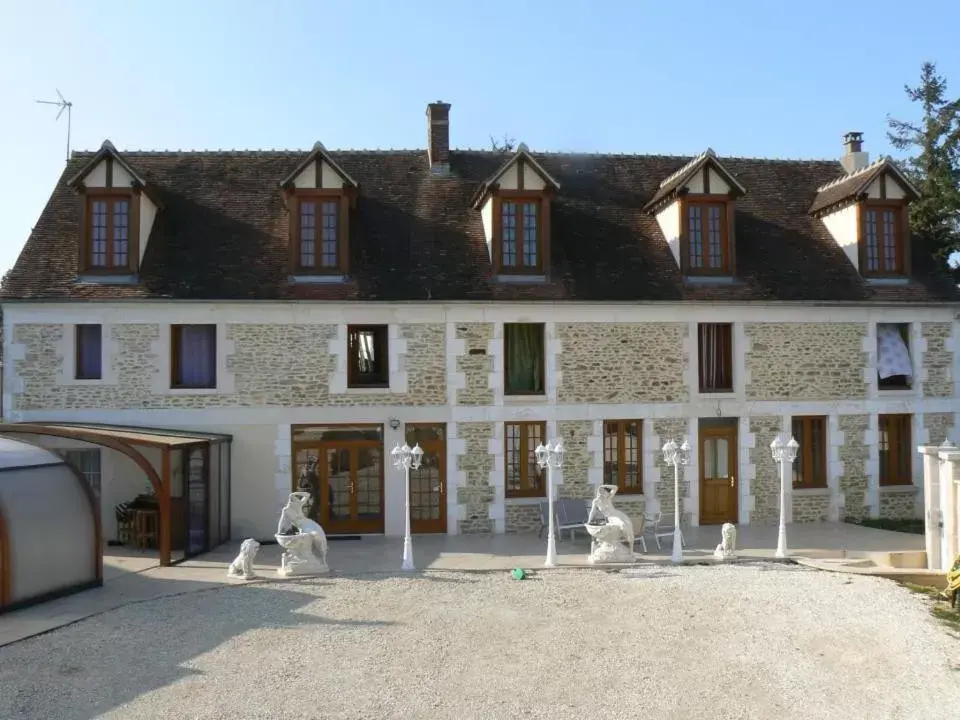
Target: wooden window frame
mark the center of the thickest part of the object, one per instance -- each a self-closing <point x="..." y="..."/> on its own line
<point x="175" y="368"/>
<point x="887" y="384"/>
<point x="542" y="360"/>
<point x="111" y="196"/>
<point x="525" y="453"/>
<point x="727" y="214"/>
<point x="899" y="444"/>
<point x="902" y="239"/>
<point x="78" y="342"/>
<point x="621" y="459"/>
<point x="727" y="360"/>
<point x="381" y="340"/>
<point x="319" y="196"/>
<point x="807" y="455"/>
<point x="542" y="202"/>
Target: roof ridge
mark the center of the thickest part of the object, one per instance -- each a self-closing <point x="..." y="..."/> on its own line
<point x="849" y="176"/>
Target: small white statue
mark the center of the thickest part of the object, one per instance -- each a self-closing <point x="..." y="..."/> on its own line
<point x="305" y="551"/>
<point x="728" y="545"/>
<point x="242" y="565"/>
<point x="612" y="532"/>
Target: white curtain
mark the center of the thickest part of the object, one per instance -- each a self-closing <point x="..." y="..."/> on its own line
<point x="893" y="357"/>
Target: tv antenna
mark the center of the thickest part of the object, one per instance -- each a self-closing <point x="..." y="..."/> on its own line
<point x="63" y="104"/>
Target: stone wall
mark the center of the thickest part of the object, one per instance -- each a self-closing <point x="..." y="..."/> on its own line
<point x="805" y="361"/>
<point x="475" y="368"/>
<point x="765" y="486"/>
<point x="899" y="504"/>
<point x="475" y="495"/>
<point x="666" y="429"/>
<point x="622" y="363"/>
<point x="812" y="507"/>
<point x="522" y="519"/>
<point x="937" y="360"/>
<point x="854" y="454"/>
<point x="939" y="426"/>
<point x="577" y="459"/>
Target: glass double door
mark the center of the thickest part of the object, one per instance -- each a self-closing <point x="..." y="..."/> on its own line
<point x="345" y="481"/>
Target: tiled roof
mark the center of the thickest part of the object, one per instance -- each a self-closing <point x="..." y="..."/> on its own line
<point x="223" y="233"/>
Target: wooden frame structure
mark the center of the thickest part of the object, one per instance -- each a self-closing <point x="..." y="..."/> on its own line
<point x="123" y="440"/>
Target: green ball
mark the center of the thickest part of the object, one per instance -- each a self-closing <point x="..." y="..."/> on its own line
<point x="518" y="574"/>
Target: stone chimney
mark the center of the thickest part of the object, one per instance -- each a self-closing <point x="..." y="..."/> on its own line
<point x="438" y="136"/>
<point x="853" y="157"/>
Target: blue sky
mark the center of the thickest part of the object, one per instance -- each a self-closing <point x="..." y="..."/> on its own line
<point x="754" y="78"/>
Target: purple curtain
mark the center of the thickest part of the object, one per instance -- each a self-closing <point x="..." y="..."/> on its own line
<point x="198" y="356"/>
<point x="89" y="352"/>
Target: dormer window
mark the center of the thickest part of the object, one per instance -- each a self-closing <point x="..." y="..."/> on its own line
<point x="521" y="241"/>
<point x="110" y="233"/>
<point x="883" y="239"/>
<point x="318" y="234"/>
<point x="707" y="238"/>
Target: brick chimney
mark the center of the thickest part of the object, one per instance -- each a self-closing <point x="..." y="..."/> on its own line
<point x="853" y="157"/>
<point x="438" y="136"/>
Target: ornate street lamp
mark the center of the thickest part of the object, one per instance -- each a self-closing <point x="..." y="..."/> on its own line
<point x="784" y="453"/>
<point x="550" y="456"/>
<point x="677" y="456"/>
<point x="406" y="458"/>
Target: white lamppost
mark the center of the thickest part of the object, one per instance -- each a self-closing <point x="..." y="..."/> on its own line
<point x="677" y="456"/>
<point x="784" y="453"/>
<point x="548" y="457"/>
<point x="407" y="459"/>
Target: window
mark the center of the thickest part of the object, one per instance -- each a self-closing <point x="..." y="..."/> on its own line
<point x="367" y="363"/>
<point x="894" y="365"/>
<point x="318" y="234"/>
<point x="708" y="251"/>
<point x="895" y="451"/>
<point x="715" y="348"/>
<point x="108" y="246"/>
<point x="883" y="240"/>
<point x="524" y="476"/>
<point x="193" y="356"/>
<point x="521" y="243"/>
<point x="623" y="455"/>
<point x="810" y="467"/>
<point x="523" y="358"/>
<point x="87" y="463"/>
<point x="89" y="352"/>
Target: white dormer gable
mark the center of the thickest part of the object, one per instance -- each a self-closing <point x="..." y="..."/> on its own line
<point x="318" y="171"/>
<point x="107" y="174"/>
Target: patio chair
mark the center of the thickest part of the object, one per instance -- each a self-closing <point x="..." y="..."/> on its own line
<point x="663" y="526"/>
<point x="639" y="528"/>
<point x="570" y="515"/>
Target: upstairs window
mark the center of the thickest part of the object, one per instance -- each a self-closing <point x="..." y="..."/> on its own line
<point x="318" y="235"/>
<point x="715" y="351"/>
<point x="883" y="240"/>
<point x="523" y="352"/>
<point x="623" y="455"/>
<point x="894" y="364"/>
<point x="367" y="361"/>
<point x="107" y="244"/>
<point x="896" y="452"/>
<point x="89" y="352"/>
<point x="810" y="467"/>
<point x="708" y="251"/>
<point x="521" y="237"/>
<point x="193" y="357"/>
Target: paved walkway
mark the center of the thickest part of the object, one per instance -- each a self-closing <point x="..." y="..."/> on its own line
<point x="131" y="577"/>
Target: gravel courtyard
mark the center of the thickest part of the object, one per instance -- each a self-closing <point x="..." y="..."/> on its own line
<point x="757" y="641"/>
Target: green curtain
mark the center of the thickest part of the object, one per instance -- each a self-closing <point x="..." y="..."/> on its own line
<point x="524" y="352"/>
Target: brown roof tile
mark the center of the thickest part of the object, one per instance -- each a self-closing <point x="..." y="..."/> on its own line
<point x="222" y="234"/>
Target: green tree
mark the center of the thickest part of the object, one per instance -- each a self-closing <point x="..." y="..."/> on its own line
<point x="933" y="164"/>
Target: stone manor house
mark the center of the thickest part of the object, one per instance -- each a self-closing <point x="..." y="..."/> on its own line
<point x="315" y="308"/>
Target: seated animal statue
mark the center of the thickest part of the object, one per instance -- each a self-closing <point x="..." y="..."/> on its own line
<point x="611" y="529"/>
<point x="728" y="542"/>
<point x="303" y="540"/>
<point x="242" y="565"/>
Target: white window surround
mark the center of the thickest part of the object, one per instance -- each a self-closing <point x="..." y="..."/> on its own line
<point x="916" y="346"/>
<point x="396" y="363"/>
<point x="67" y="349"/>
<point x="552" y="347"/>
<point x="162" y="350"/>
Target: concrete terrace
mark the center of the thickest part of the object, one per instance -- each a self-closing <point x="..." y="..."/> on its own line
<point x="132" y="577"/>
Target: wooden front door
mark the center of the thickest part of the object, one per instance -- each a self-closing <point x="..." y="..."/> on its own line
<point x="718" y="475"/>
<point x="428" y="484"/>
<point x="345" y="479"/>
